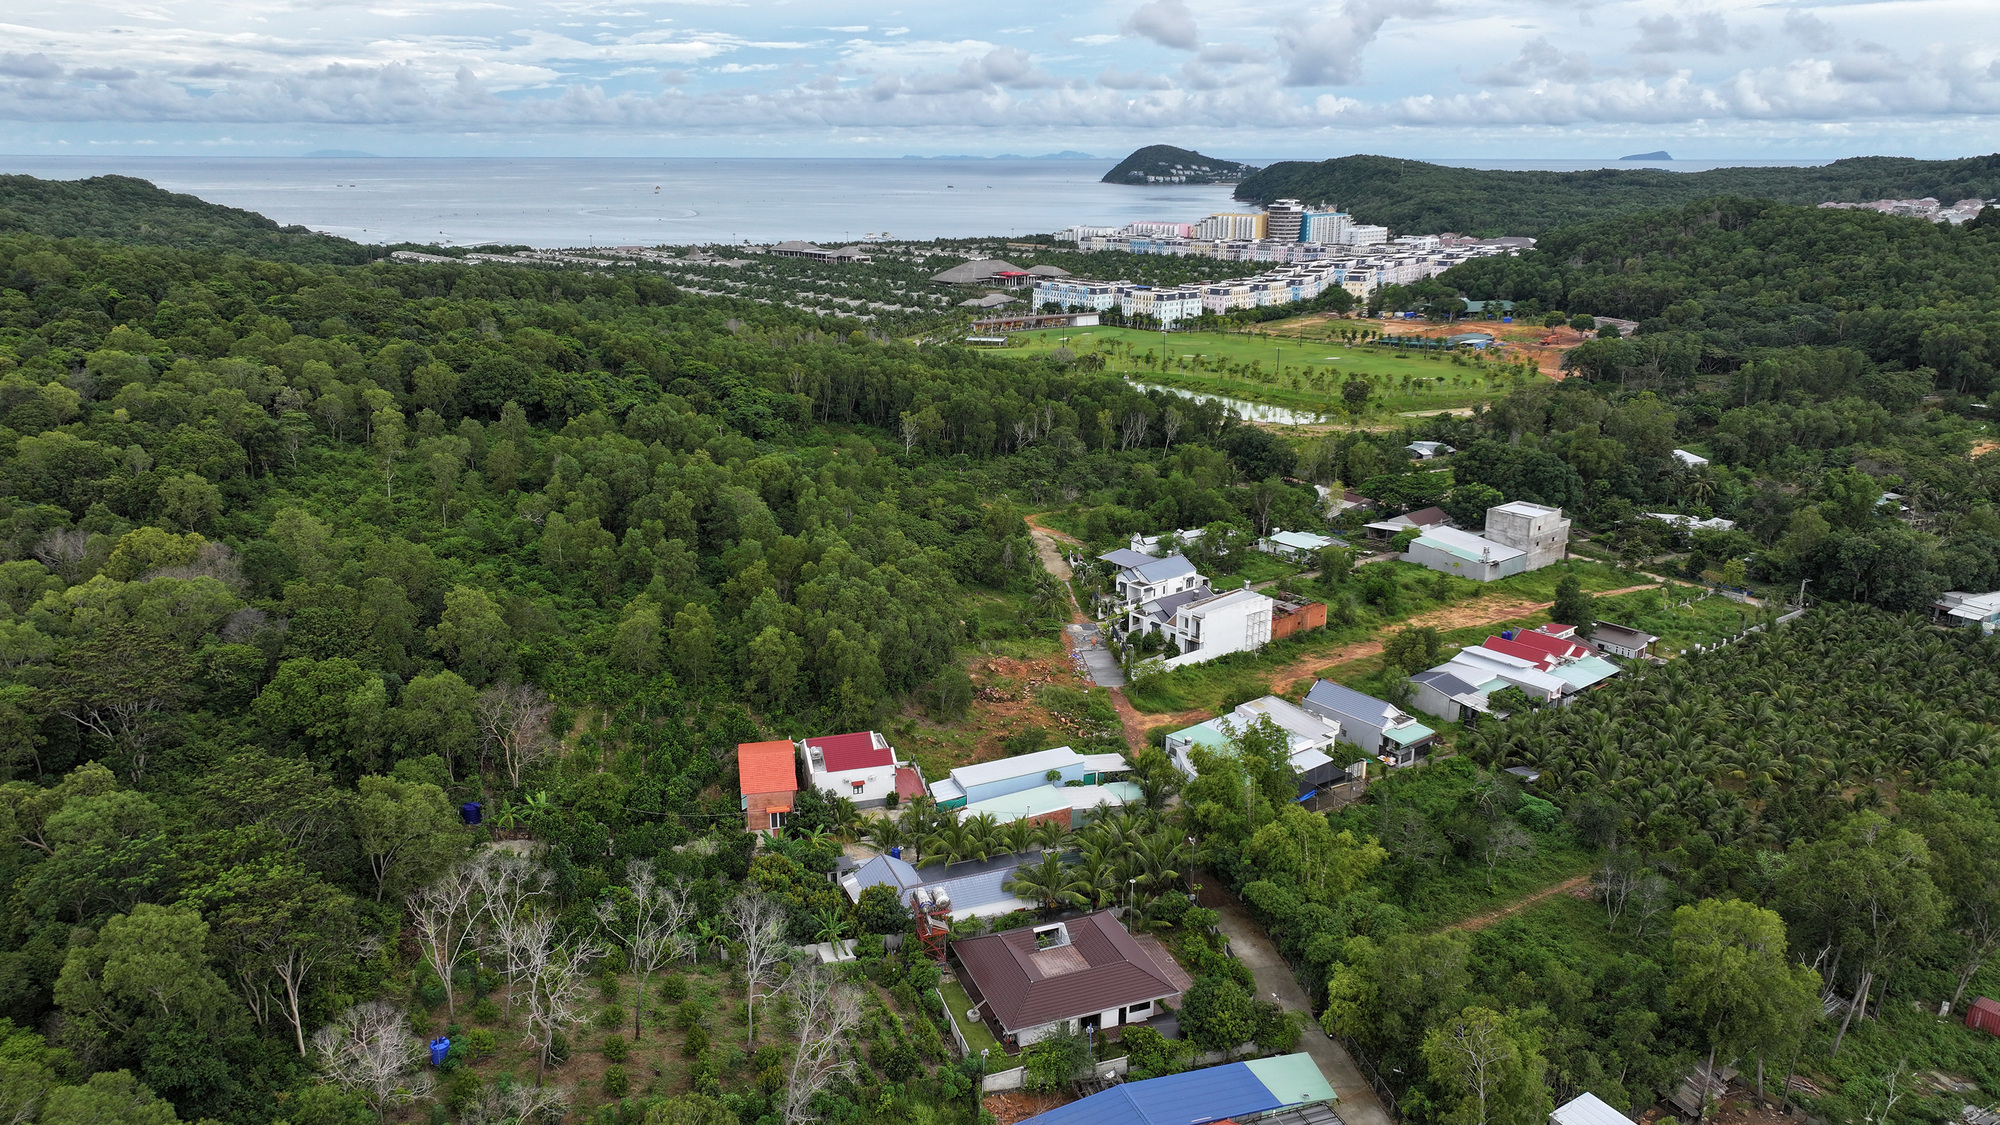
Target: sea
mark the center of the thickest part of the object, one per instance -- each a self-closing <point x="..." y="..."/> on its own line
<point x="558" y="202"/>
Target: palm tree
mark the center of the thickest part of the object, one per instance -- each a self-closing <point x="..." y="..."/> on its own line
<point x="983" y="836"/>
<point x="1095" y="882"/>
<point x="1047" y="882"/>
<point x="1051" y="836"/>
<point x="1017" y="836"/>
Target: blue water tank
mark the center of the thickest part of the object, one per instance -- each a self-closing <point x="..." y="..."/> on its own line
<point x="1506" y="320"/>
<point x="1506" y="634"/>
<point x="471" y="812"/>
<point x="440" y="1047"/>
<point x="896" y="852"/>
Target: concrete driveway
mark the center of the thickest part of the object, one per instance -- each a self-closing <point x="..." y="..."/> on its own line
<point x="1087" y="642"/>
<point x="1358" y="1103"/>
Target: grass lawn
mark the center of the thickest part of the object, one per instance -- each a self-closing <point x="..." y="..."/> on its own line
<point x="1705" y="622"/>
<point x="1248" y="366"/>
<point x="957" y="1003"/>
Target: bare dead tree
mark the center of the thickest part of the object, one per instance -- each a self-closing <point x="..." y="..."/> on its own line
<point x="1505" y="840"/>
<point x="62" y="551"/>
<point x="759" y="921"/>
<point x="444" y="913"/>
<point x="1170" y="424"/>
<point x="517" y="1105"/>
<point x="508" y="927"/>
<point x="514" y="718"/>
<point x="1132" y="428"/>
<point x="650" y="924"/>
<point x="825" y="1013"/>
<point x="368" y="1049"/>
<point x="557" y="989"/>
<point x="1615" y="883"/>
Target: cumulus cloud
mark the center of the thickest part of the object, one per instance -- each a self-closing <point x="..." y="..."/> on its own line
<point x="1703" y="32"/>
<point x="1114" y="79"/>
<point x="1327" y="52"/>
<point x="1814" y="33"/>
<point x="1539" y="58"/>
<point x="37" y="65"/>
<point x="560" y="69"/>
<point x="1166" y="22"/>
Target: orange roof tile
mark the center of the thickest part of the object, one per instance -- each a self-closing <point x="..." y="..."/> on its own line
<point x="765" y="767"/>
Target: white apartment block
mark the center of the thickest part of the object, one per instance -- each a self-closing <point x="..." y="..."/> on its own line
<point x="1330" y="227"/>
<point x="1098" y="296"/>
<point x="1282" y="220"/>
<point x="1167" y="305"/>
<point x="1226" y="226"/>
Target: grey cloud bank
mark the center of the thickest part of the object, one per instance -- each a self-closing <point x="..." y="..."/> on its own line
<point x="554" y="77"/>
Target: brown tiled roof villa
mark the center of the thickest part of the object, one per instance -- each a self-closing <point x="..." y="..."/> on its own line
<point x="1100" y="968"/>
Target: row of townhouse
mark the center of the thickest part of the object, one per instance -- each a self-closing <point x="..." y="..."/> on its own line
<point x="1301" y="280"/>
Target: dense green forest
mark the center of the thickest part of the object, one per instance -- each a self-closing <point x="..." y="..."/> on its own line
<point x="130" y="210"/>
<point x="1412" y="197"/>
<point x="297" y="557"/>
<point x="302" y="556"/>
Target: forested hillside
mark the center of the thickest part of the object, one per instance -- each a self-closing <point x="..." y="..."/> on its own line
<point x="129" y="210"/>
<point x="1412" y="197"/>
<point x="298" y="558"/>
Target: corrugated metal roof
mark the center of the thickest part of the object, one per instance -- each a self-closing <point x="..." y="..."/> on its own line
<point x="1159" y="570"/>
<point x="1037" y="764"/>
<point x="1198" y="1097"/>
<point x="1588" y="1109"/>
<point x="1293" y="1079"/>
<point x="1465" y="545"/>
<point x="1344" y="700"/>
<point x="1126" y="557"/>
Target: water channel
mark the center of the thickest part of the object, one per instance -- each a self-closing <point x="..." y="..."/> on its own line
<point x="1254" y="411"/>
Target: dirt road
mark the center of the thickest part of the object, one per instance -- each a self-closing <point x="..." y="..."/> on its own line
<point x="1046" y="545"/>
<point x="1578" y="886"/>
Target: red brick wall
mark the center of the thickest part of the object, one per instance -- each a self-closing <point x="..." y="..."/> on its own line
<point x="1060" y="816"/>
<point x="754" y="817"/>
<point x="1311" y="616"/>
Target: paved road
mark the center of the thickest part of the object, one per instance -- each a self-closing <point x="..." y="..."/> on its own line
<point x="1358" y="1103"/>
<point x="1088" y="641"/>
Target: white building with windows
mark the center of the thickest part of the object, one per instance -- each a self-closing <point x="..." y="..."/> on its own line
<point x="1204" y="624"/>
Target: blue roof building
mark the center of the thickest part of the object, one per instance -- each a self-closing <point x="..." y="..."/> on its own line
<point x="1234" y="1090"/>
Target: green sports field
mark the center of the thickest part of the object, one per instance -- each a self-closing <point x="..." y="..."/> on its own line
<point x="1246" y="366"/>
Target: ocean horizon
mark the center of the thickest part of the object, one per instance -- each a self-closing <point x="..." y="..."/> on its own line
<point x="607" y="201"/>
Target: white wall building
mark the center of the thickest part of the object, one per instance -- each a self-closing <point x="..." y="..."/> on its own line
<point x="1217" y="625"/>
<point x="1225" y="225"/>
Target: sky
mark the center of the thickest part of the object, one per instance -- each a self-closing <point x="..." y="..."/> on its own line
<point x="1249" y="79"/>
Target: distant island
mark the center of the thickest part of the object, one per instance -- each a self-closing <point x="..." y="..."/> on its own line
<point x="1165" y="164"/>
<point x="1663" y="154"/>
<point x="1410" y="195"/>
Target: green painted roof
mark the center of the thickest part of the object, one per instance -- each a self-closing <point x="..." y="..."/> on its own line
<point x="1292" y="1079"/>
<point x="1201" y="734"/>
<point x="1403" y="736"/>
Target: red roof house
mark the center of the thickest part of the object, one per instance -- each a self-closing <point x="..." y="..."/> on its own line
<point x="861" y="766"/>
<point x="768" y="778"/>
